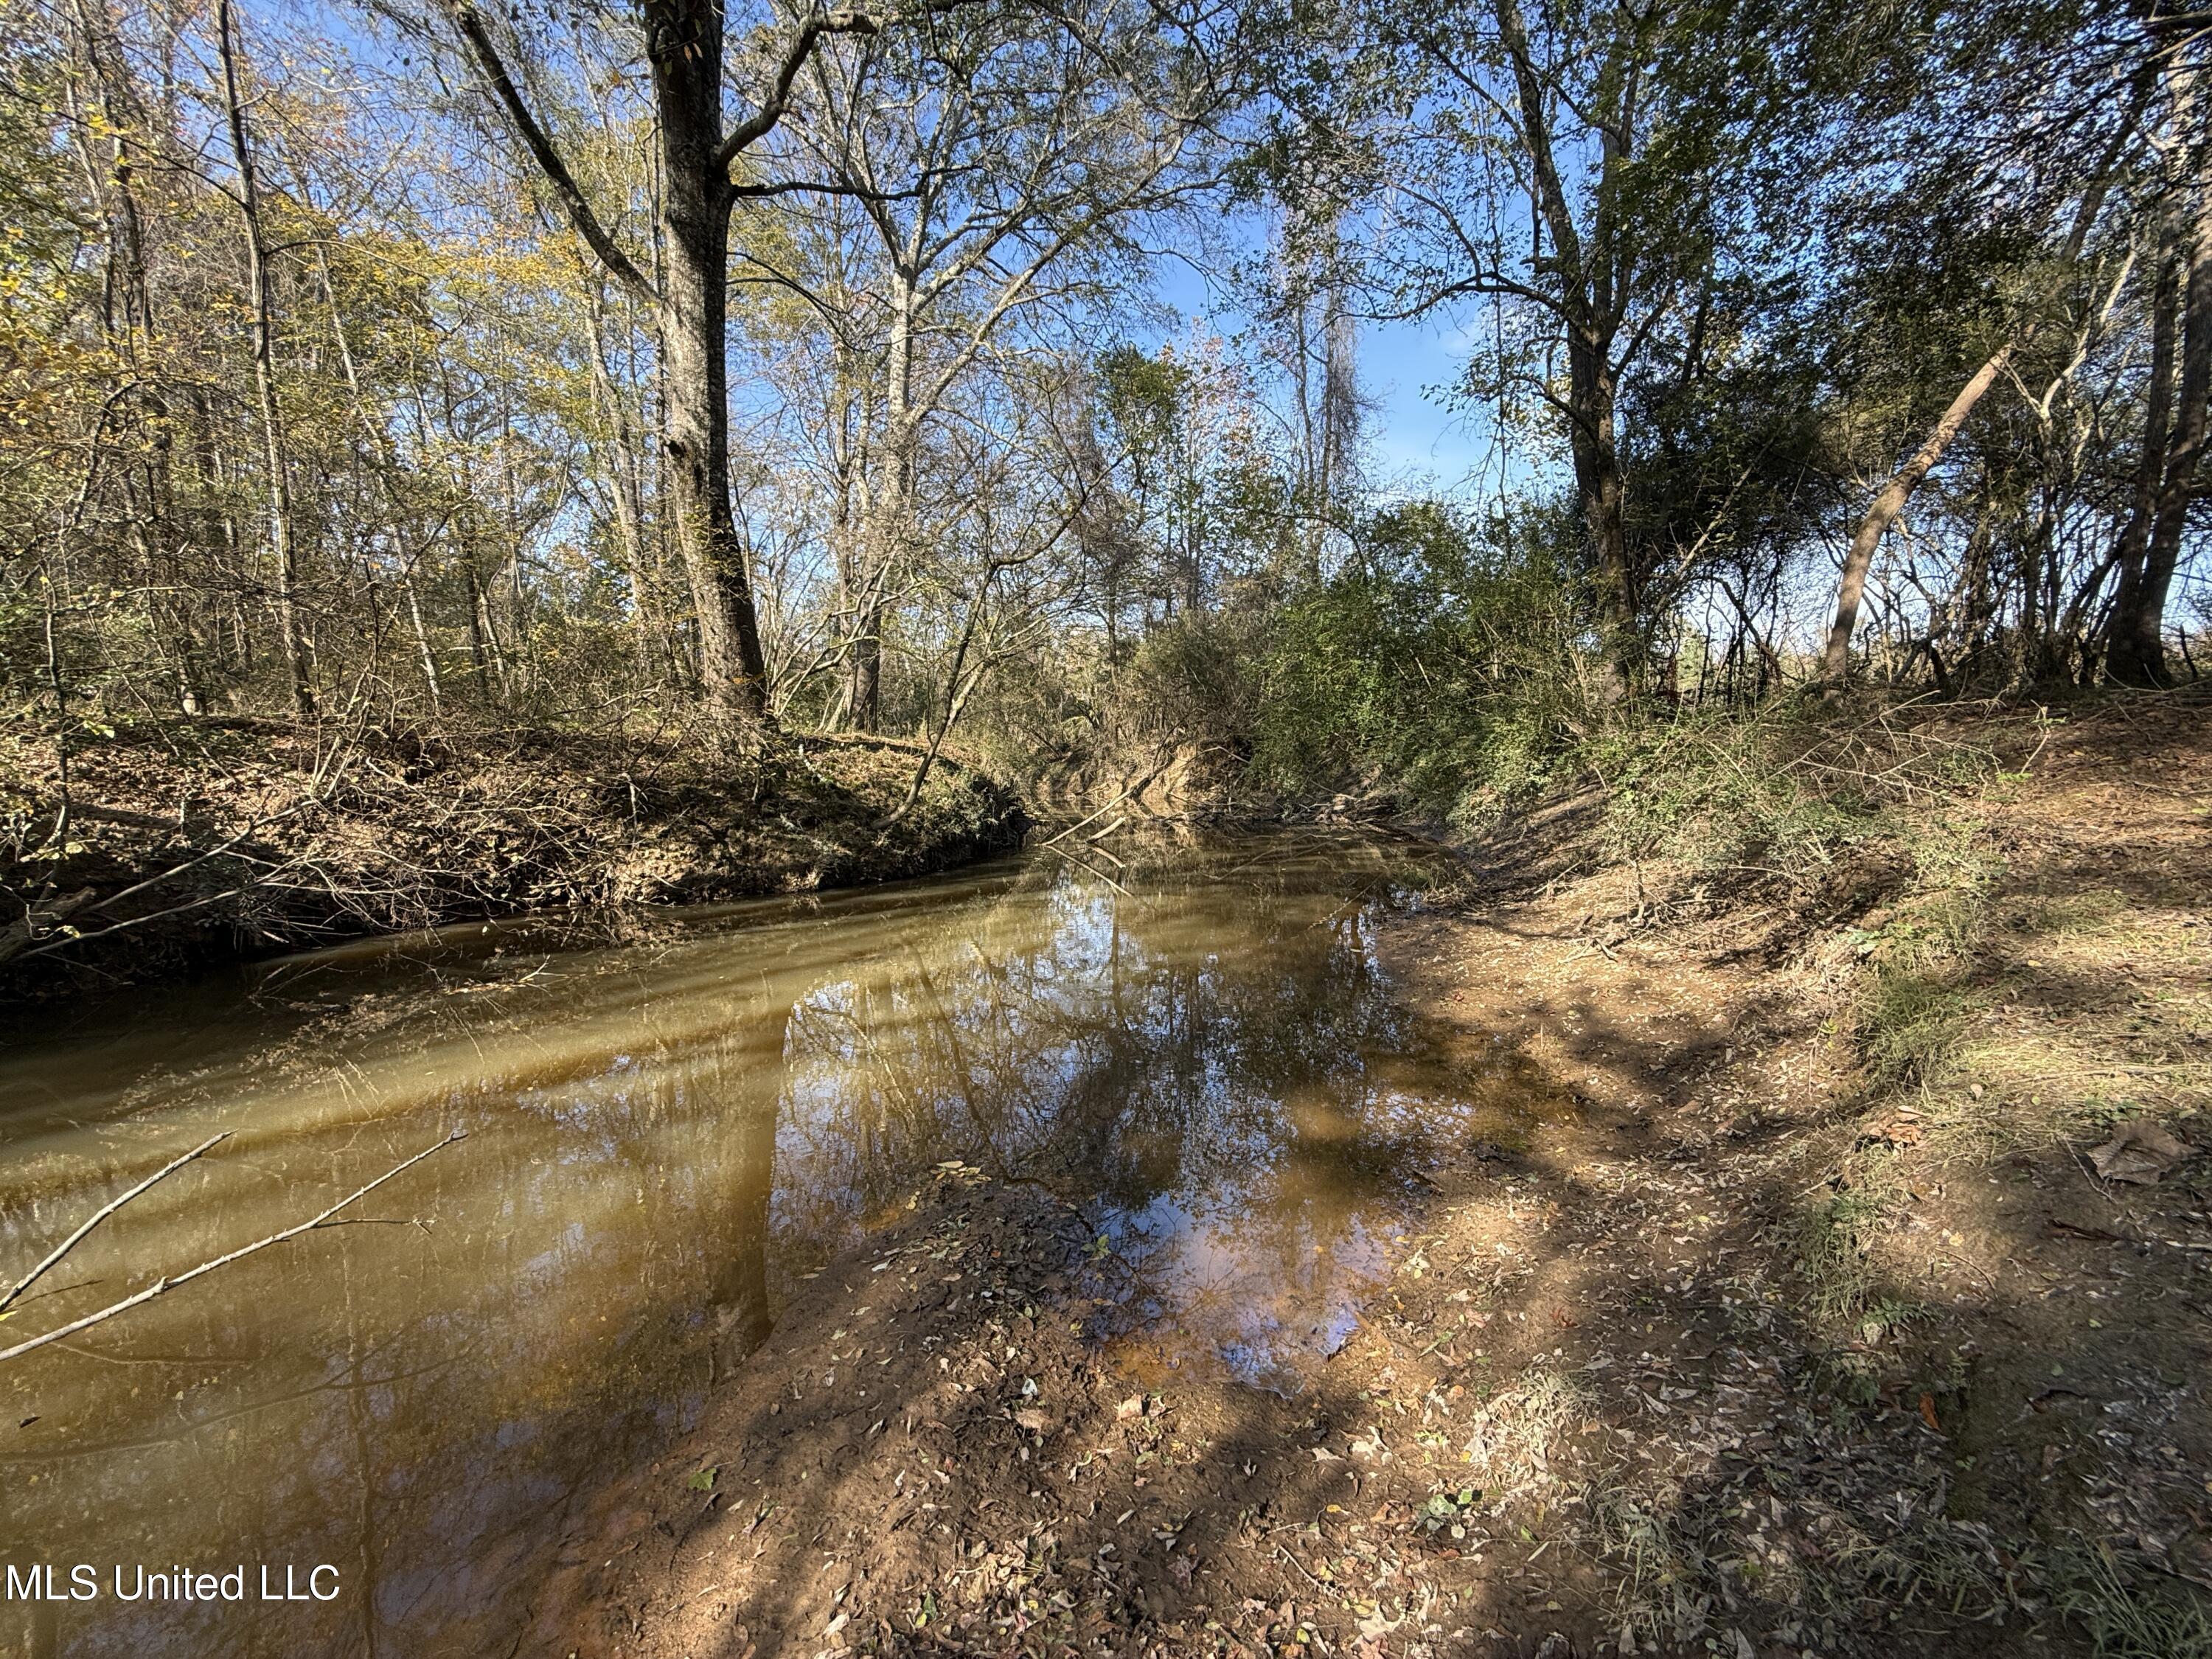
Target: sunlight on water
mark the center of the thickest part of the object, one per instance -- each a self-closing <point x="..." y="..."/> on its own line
<point x="664" y="1139"/>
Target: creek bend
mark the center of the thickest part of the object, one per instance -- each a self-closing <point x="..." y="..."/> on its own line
<point x="1194" y="1044"/>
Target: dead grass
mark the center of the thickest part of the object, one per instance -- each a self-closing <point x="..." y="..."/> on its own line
<point x="2003" y="932"/>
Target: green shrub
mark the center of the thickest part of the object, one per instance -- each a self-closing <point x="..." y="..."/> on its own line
<point x="1438" y="661"/>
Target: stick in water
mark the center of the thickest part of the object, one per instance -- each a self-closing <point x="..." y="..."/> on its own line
<point x="100" y="1215"/>
<point x="159" y="1285"/>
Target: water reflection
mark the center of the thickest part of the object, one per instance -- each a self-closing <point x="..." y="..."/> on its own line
<point x="664" y="1140"/>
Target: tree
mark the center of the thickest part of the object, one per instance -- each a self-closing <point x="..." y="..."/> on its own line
<point x="2137" y="652"/>
<point x="685" y="48"/>
<point x="1001" y="159"/>
<point x="1580" y="174"/>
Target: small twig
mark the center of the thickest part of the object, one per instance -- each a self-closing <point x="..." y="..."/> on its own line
<point x="100" y="1215"/>
<point x="160" y="1285"/>
<point x="1301" y="1567"/>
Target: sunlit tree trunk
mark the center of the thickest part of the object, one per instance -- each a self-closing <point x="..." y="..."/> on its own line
<point x="283" y="548"/>
<point x="1850" y="586"/>
<point x="684" y="44"/>
<point x="2138" y="647"/>
<point x="1850" y="589"/>
<point x="891" y="513"/>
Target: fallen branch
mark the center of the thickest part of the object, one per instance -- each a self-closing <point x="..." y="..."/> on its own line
<point x="100" y="1215"/>
<point x="1073" y="858"/>
<point x="163" y="1285"/>
<point x="253" y="826"/>
<point x="1081" y="823"/>
<point x="18" y="941"/>
<point x="39" y="918"/>
<point x="67" y="939"/>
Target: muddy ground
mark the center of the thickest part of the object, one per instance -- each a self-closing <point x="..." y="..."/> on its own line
<point x="159" y="847"/>
<point x="1856" y="1299"/>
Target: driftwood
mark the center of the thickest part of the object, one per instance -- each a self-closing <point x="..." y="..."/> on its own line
<point x="161" y="1287"/>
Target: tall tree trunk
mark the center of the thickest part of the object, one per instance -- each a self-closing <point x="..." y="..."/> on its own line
<point x="430" y="656"/>
<point x="2150" y="469"/>
<point x="282" y="548"/>
<point x="683" y="45"/>
<point x="1835" y="660"/>
<point x="1604" y="493"/>
<point x="1595" y="296"/>
<point x="2138" y="648"/>
<point x="891" y="522"/>
<point x="683" y="42"/>
<point x="149" y="486"/>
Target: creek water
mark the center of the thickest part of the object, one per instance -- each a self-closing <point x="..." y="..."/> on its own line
<point x="1193" y="1042"/>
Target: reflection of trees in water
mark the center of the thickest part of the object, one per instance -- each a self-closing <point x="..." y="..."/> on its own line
<point x="427" y="1411"/>
<point x="1196" y="1061"/>
<point x="415" y="1404"/>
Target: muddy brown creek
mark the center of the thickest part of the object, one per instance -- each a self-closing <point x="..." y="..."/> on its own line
<point x="1192" y="1042"/>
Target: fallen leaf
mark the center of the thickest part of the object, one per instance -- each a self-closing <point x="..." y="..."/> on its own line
<point x="1323" y="1455"/>
<point x="1927" y="1413"/>
<point x="703" y="1480"/>
<point x="2139" y="1154"/>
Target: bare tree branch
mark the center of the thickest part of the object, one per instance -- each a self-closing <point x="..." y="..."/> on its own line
<point x="542" y="149"/>
<point x="161" y="1287"/>
<point x="100" y="1215"/>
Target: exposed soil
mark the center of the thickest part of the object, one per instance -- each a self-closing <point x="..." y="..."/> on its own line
<point x="1776" y="1343"/>
<point x="188" y="841"/>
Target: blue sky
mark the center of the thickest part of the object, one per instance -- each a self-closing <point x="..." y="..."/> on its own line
<point x="1404" y="367"/>
<point x="1415" y="442"/>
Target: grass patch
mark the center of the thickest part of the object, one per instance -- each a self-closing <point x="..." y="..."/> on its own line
<point x="2125" y="1615"/>
<point x="1835" y="1254"/>
<point x="1909" y="1027"/>
<point x="1777" y="792"/>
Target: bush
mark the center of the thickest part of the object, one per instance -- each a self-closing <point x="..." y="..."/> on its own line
<point x="1439" y="660"/>
<point x="1775" y="791"/>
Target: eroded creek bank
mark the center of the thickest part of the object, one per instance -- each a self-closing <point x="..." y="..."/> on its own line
<point x="1696" y="1343"/>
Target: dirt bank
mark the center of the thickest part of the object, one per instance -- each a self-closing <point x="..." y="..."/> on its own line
<point x="1819" y="1323"/>
<point x="165" y="845"/>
